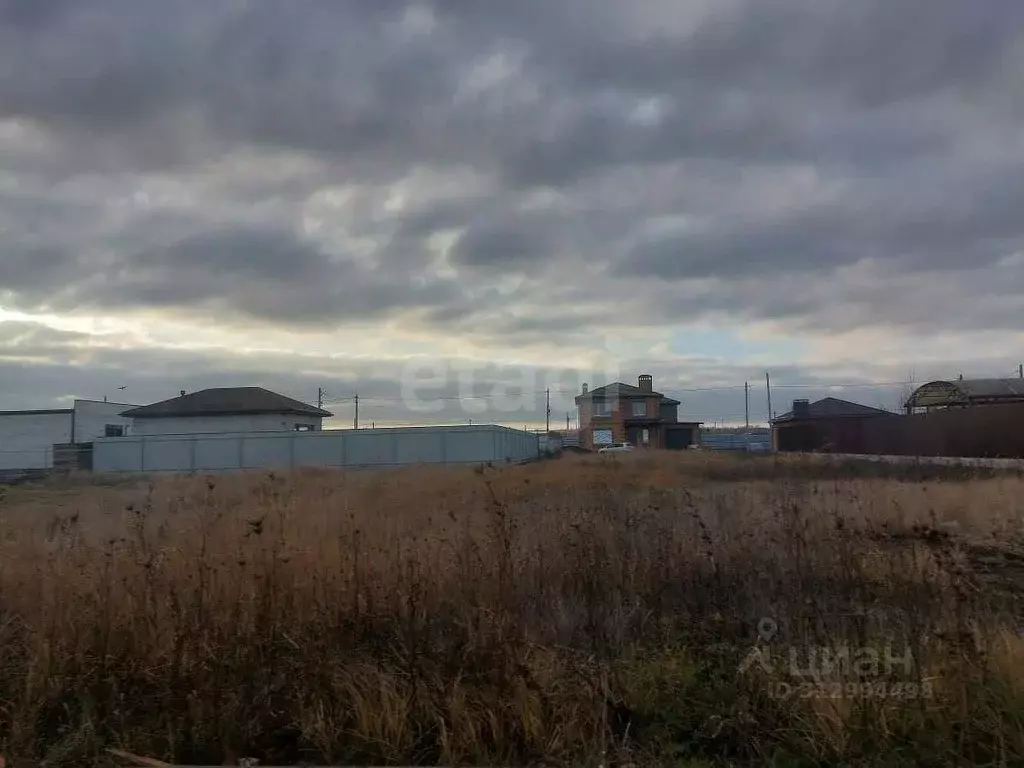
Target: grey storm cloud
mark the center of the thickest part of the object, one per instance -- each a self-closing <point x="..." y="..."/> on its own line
<point x="259" y="272"/>
<point x="643" y="150"/>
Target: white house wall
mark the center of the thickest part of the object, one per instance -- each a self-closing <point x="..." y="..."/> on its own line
<point x="27" y="439"/>
<point x="92" y="418"/>
<point x="206" y="425"/>
<point x="335" y="448"/>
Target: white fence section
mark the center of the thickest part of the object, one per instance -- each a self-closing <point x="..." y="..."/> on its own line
<point x="332" y="448"/>
<point x="28" y="458"/>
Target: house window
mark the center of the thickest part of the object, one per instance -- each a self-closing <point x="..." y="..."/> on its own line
<point x="304" y="428"/>
<point x="602" y="408"/>
<point x="639" y="408"/>
<point x="602" y="437"/>
<point x="113" y="430"/>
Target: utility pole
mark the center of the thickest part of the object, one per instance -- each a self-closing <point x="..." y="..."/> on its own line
<point x="768" y="385"/>
<point x="1020" y="370"/>
<point x="566" y="421"/>
<point x="355" y="421"/>
<point x="320" y="398"/>
<point x="746" y="402"/>
<point x="547" y="414"/>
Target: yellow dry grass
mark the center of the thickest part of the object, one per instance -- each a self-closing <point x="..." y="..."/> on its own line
<point x="572" y="610"/>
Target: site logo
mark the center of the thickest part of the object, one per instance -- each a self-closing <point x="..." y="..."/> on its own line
<point x="833" y="672"/>
<point x="428" y="387"/>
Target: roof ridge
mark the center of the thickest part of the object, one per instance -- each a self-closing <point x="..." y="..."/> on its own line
<point x="226" y="400"/>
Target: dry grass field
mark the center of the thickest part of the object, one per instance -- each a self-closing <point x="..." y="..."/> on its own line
<point x="578" y="610"/>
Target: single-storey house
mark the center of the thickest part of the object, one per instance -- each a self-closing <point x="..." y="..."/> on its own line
<point x="828" y="425"/>
<point x="226" y="410"/>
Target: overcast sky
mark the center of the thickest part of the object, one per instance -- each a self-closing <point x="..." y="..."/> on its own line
<point x="479" y="197"/>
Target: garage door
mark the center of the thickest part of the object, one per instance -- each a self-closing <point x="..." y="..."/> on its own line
<point x="602" y="437"/>
<point x="678" y="439"/>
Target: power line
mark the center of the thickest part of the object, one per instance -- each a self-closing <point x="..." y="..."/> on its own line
<point x="328" y="399"/>
<point x="863" y="385"/>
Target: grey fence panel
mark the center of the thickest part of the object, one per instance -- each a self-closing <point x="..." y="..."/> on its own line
<point x="267" y="452"/>
<point x="214" y="453"/>
<point x="470" y="446"/>
<point x="321" y="449"/>
<point x="362" y="448"/>
<point x="124" y="455"/>
<point x="421" y="446"/>
<point x="370" y="448"/>
<point x="168" y="455"/>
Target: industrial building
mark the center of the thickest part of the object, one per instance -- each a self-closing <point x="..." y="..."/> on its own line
<point x="333" y="448"/>
<point x="226" y="410"/>
<point x="965" y="393"/>
<point x="830" y="424"/>
<point x="29" y="440"/>
<point x="623" y="413"/>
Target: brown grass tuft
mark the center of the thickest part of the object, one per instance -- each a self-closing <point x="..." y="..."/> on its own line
<point x="577" y="610"/>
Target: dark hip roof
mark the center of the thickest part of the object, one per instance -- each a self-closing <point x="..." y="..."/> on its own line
<point x="833" y="407"/>
<point x="226" y="401"/>
<point x="618" y="389"/>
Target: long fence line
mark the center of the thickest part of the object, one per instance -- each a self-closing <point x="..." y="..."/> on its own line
<point x="942" y="461"/>
<point x="329" y="448"/>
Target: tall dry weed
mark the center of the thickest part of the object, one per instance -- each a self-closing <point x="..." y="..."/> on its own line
<point x="566" y="611"/>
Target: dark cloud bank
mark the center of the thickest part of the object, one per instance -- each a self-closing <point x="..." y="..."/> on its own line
<point x="830" y="165"/>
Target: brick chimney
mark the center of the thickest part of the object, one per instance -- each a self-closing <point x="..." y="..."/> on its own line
<point x="585" y="388"/>
<point x="646" y="382"/>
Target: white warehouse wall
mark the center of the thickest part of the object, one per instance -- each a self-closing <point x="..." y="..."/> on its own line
<point x="92" y="418"/>
<point x="207" y="425"/>
<point x="27" y="438"/>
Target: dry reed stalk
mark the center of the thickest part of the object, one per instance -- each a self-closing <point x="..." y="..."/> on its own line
<point x="564" y="610"/>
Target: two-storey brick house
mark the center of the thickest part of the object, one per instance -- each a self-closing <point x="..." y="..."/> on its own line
<point x="622" y="413"/>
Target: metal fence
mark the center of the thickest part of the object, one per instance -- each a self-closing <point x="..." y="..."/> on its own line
<point x="333" y="448"/>
<point x="984" y="431"/>
<point x="750" y="442"/>
<point x="26" y="458"/>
